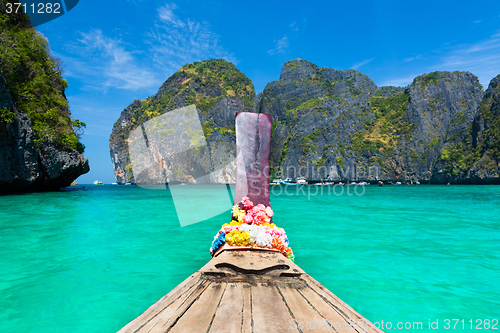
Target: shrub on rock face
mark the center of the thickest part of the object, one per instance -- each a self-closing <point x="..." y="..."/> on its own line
<point x="35" y="83"/>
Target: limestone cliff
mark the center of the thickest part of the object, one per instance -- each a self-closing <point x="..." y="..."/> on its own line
<point x="26" y="166"/>
<point x="39" y="146"/>
<point x="338" y="125"/>
<point x="217" y="90"/>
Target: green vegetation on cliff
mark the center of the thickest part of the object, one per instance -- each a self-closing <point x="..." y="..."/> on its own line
<point x="461" y="157"/>
<point x="200" y="83"/>
<point x="297" y="63"/>
<point x="456" y="159"/>
<point x="490" y="113"/>
<point x="35" y="83"/>
<point x="427" y="79"/>
<point x="388" y="126"/>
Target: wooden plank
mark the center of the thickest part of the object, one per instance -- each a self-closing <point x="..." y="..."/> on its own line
<point x="199" y="317"/>
<point x="338" y="309"/>
<point x="246" y="292"/>
<point x="334" y="299"/>
<point x="170" y="314"/>
<point x="269" y="312"/>
<point x="178" y="293"/>
<point x="242" y="302"/>
<point x="339" y="322"/>
<point x="306" y="317"/>
<point x="230" y="314"/>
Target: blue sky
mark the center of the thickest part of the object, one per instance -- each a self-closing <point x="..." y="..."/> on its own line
<point x="117" y="51"/>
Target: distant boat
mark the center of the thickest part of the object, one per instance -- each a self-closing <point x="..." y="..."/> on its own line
<point x="114" y="183"/>
<point x="323" y="183"/>
<point x="277" y="182"/>
<point x="74" y="183"/>
<point x="295" y="182"/>
<point x="97" y="182"/>
<point x="398" y="183"/>
<point x="128" y="184"/>
<point x="301" y="181"/>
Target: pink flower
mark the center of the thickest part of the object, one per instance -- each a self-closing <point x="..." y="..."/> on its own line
<point x="259" y="208"/>
<point x="269" y="212"/>
<point x="247" y="203"/>
<point x="261" y="217"/>
<point x="248" y="218"/>
<point x="258" y="219"/>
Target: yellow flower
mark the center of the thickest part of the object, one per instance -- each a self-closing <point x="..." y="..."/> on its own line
<point x="240" y="215"/>
<point x="238" y="238"/>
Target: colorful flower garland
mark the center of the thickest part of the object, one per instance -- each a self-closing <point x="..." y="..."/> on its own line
<point x="252" y="226"/>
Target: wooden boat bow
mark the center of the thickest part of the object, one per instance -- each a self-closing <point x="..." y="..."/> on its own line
<point x="250" y="290"/>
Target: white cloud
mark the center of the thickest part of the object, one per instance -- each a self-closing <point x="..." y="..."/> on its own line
<point x="298" y="26"/>
<point x="166" y="14"/>
<point x="281" y="46"/>
<point x="105" y="62"/>
<point x="409" y="59"/>
<point x="361" y="63"/>
<point x="481" y="59"/>
<point x="175" y="42"/>
<point x="402" y="81"/>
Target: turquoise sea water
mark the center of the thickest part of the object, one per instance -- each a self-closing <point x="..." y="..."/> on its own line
<point x="91" y="260"/>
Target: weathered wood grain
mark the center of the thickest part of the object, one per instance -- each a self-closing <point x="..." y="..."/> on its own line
<point x="305" y="316"/>
<point x="229" y="318"/>
<point x="243" y="296"/>
<point x="200" y="315"/>
<point x="344" y="312"/>
<point x="269" y="312"/>
<point x="176" y="295"/>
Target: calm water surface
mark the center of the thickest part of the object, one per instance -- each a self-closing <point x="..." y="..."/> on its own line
<point x="91" y="260"/>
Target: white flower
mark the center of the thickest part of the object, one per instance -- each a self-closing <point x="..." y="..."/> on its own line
<point x="258" y="235"/>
